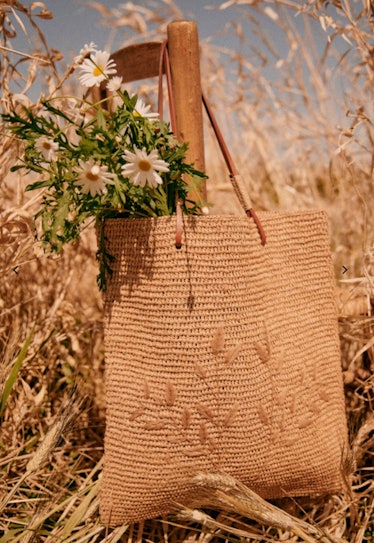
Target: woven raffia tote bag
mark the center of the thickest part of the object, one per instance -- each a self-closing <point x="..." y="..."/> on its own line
<point x="221" y="356"/>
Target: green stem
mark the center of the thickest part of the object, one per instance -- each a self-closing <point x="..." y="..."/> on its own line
<point x="148" y="210"/>
<point x="160" y="196"/>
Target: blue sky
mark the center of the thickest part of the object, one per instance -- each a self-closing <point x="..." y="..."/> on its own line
<point x="75" y="23"/>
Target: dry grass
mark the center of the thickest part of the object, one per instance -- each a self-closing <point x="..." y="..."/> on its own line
<point x="299" y="121"/>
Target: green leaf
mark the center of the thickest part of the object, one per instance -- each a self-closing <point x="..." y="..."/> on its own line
<point x="16" y="168"/>
<point x="87" y="146"/>
<point x="57" y="112"/>
<point x="101" y="123"/>
<point x="10" y="535"/>
<point x="14" y="372"/>
<point x="37" y="185"/>
<point x="59" y="216"/>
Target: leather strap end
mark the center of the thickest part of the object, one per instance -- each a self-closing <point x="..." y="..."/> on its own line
<point x="252" y="214"/>
<point x="179" y="225"/>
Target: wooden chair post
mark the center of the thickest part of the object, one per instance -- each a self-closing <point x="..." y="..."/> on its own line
<point x="184" y="53"/>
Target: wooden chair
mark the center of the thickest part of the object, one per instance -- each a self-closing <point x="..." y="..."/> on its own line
<point x="142" y="61"/>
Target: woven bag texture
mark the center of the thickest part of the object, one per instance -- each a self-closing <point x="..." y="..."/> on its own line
<point x="222" y="356"/>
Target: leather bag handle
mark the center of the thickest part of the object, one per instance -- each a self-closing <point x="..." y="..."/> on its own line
<point x="235" y="177"/>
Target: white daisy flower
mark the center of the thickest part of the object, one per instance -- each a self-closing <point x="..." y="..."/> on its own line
<point x="47" y="147"/>
<point x="93" y="177"/>
<point x="142" y="109"/>
<point x="142" y="168"/>
<point x="114" y="84"/>
<point x="96" y="69"/>
<point x="88" y="48"/>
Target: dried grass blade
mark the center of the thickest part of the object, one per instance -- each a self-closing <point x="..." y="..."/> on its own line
<point x="9" y="536"/>
<point x="228" y="494"/>
<point x="117" y="533"/>
<point x="22" y="54"/>
<point x="44" y="516"/>
<point x="69" y="410"/>
<point x="19" y="21"/>
<point x="361" y="351"/>
<point x="46" y="446"/>
<point x="79" y="514"/>
<point x="88" y="537"/>
<point x="14" y="372"/>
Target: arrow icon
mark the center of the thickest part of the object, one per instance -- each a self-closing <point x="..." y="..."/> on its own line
<point x="344" y="270"/>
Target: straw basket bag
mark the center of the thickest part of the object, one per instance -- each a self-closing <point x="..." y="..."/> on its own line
<point x="221" y="356"/>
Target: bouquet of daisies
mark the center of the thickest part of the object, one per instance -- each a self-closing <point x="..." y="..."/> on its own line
<point x="95" y="161"/>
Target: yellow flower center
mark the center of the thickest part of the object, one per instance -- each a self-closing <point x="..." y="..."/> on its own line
<point x="98" y="70"/>
<point x="91" y="176"/>
<point x="144" y="165"/>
